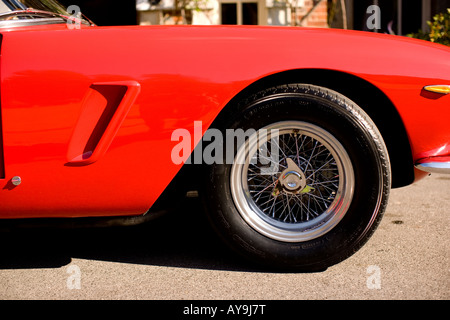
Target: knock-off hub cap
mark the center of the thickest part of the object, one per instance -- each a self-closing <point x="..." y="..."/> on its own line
<point x="292" y="179"/>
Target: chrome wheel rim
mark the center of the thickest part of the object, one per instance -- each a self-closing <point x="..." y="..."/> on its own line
<point x="292" y="181"/>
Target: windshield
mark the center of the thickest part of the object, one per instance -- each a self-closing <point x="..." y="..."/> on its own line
<point x="44" y="5"/>
<point x="35" y="9"/>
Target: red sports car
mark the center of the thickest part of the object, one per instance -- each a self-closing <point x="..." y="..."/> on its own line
<point x="292" y="136"/>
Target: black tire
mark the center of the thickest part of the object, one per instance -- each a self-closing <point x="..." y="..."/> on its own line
<point x="345" y="218"/>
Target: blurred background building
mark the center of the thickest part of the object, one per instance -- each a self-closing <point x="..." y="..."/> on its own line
<point x="311" y="13"/>
<point x="396" y="16"/>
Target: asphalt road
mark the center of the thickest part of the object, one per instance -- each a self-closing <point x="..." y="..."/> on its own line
<point x="178" y="257"/>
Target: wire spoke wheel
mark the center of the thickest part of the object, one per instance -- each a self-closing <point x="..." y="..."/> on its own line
<point x="292" y="181"/>
<point x="307" y="187"/>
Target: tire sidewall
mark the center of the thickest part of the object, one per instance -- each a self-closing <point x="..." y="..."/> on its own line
<point x="346" y="122"/>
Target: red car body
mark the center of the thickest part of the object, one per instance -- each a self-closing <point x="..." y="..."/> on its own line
<point x="77" y="159"/>
<point x="97" y="124"/>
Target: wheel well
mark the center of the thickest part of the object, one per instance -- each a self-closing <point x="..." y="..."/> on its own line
<point x="371" y="99"/>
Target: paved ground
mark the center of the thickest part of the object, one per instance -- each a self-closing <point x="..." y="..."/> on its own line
<point x="177" y="257"/>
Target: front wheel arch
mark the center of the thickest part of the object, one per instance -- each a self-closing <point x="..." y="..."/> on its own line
<point x="367" y="96"/>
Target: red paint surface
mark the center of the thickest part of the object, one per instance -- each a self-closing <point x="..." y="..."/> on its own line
<point x="185" y="74"/>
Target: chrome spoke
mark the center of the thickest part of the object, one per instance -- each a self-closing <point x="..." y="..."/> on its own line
<point x="288" y="207"/>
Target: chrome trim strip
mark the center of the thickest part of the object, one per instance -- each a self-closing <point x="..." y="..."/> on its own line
<point x="434" y="167"/>
<point x="33" y="22"/>
<point x="20" y="18"/>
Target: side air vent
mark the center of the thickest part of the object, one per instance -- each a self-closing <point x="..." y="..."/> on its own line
<point x="104" y="108"/>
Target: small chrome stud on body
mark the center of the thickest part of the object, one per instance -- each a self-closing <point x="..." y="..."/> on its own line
<point x="16" y="180"/>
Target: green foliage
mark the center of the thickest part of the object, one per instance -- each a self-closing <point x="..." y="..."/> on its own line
<point x="439" y="29"/>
